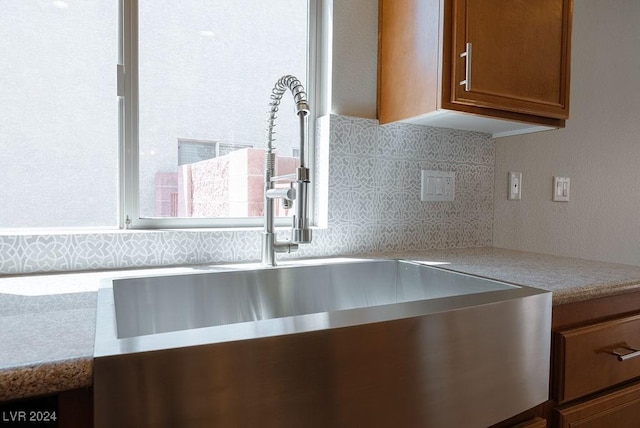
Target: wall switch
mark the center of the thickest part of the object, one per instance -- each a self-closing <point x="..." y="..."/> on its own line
<point x="437" y="185"/>
<point x="515" y="186"/>
<point x="561" y="188"/>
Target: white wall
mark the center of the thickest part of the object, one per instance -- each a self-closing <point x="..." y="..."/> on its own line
<point x="599" y="150"/>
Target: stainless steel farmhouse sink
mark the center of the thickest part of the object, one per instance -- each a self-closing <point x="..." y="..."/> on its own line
<point x="330" y="343"/>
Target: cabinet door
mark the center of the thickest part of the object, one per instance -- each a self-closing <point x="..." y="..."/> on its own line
<point x="519" y="58"/>
<point x="619" y="409"/>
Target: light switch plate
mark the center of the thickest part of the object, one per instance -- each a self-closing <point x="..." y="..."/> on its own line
<point x="437" y="186"/>
<point x="515" y="186"/>
<point x="561" y="189"/>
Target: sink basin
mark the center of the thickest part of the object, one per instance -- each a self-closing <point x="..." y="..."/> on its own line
<point x="149" y="305"/>
<point x="330" y="343"/>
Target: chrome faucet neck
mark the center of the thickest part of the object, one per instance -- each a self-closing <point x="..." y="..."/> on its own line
<point x="301" y="232"/>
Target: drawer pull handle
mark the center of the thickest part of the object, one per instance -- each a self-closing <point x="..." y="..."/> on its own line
<point x="622" y="356"/>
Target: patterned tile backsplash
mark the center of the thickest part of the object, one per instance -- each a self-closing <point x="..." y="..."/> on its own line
<point x="373" y="206"/>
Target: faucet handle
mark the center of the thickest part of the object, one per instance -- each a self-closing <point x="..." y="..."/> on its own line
<point x="285" y="194"/>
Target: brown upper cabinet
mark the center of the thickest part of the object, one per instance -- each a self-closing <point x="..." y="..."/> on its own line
<point x="498" y="66"/>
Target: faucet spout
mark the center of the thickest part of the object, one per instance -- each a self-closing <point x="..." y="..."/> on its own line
<point x="301" y="231"/>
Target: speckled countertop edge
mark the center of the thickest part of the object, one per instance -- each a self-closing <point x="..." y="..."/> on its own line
<point x="32" y="372"/>
<point x="46" y="378"/>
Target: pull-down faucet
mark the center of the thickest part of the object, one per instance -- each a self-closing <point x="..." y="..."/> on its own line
<point x="300" y="233"/>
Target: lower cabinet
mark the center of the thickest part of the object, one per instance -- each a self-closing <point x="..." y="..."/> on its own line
<point x="75" y="408"/>
<point x="533" y="423"/>
<point x="595" y="380"/>
<point x="617" y="409"/>
<point x="67" y="409"/>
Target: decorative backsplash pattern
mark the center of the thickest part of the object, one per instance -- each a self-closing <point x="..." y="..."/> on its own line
<point x="374" y="206"/>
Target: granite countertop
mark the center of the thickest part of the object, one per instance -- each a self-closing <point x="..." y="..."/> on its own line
<point x="47" y="331"/>
<point x="47" y="322"/>
<point x="569" y="279"/>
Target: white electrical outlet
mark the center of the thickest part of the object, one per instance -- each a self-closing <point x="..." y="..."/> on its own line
<point x="515" y="186"/>
<point x="438" y="185"/>
<point x="561" y="189"/>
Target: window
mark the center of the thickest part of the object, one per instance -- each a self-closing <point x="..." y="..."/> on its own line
<point x="58" y="114"/>
<point x="193" y="82"/>
<point x="199" y="103"/>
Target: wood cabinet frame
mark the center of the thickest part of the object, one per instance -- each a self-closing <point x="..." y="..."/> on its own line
<point x="616" y="402"/>
<point x="415" y="65"/>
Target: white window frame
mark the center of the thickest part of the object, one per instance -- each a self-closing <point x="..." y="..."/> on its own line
<point x="318" y="87"/>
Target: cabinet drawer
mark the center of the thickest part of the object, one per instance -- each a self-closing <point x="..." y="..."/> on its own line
<point x="533" y="423"/>
<point x="597" y="356"/>
<point x="617" y="409"/>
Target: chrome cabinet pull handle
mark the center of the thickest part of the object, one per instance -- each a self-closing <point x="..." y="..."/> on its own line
<point x="623" y="356"/>
<point x="467" y="68"/>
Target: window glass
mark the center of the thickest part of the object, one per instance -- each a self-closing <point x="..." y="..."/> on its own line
<point x="58" y="113"/>
<point x="206" y="70"/>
